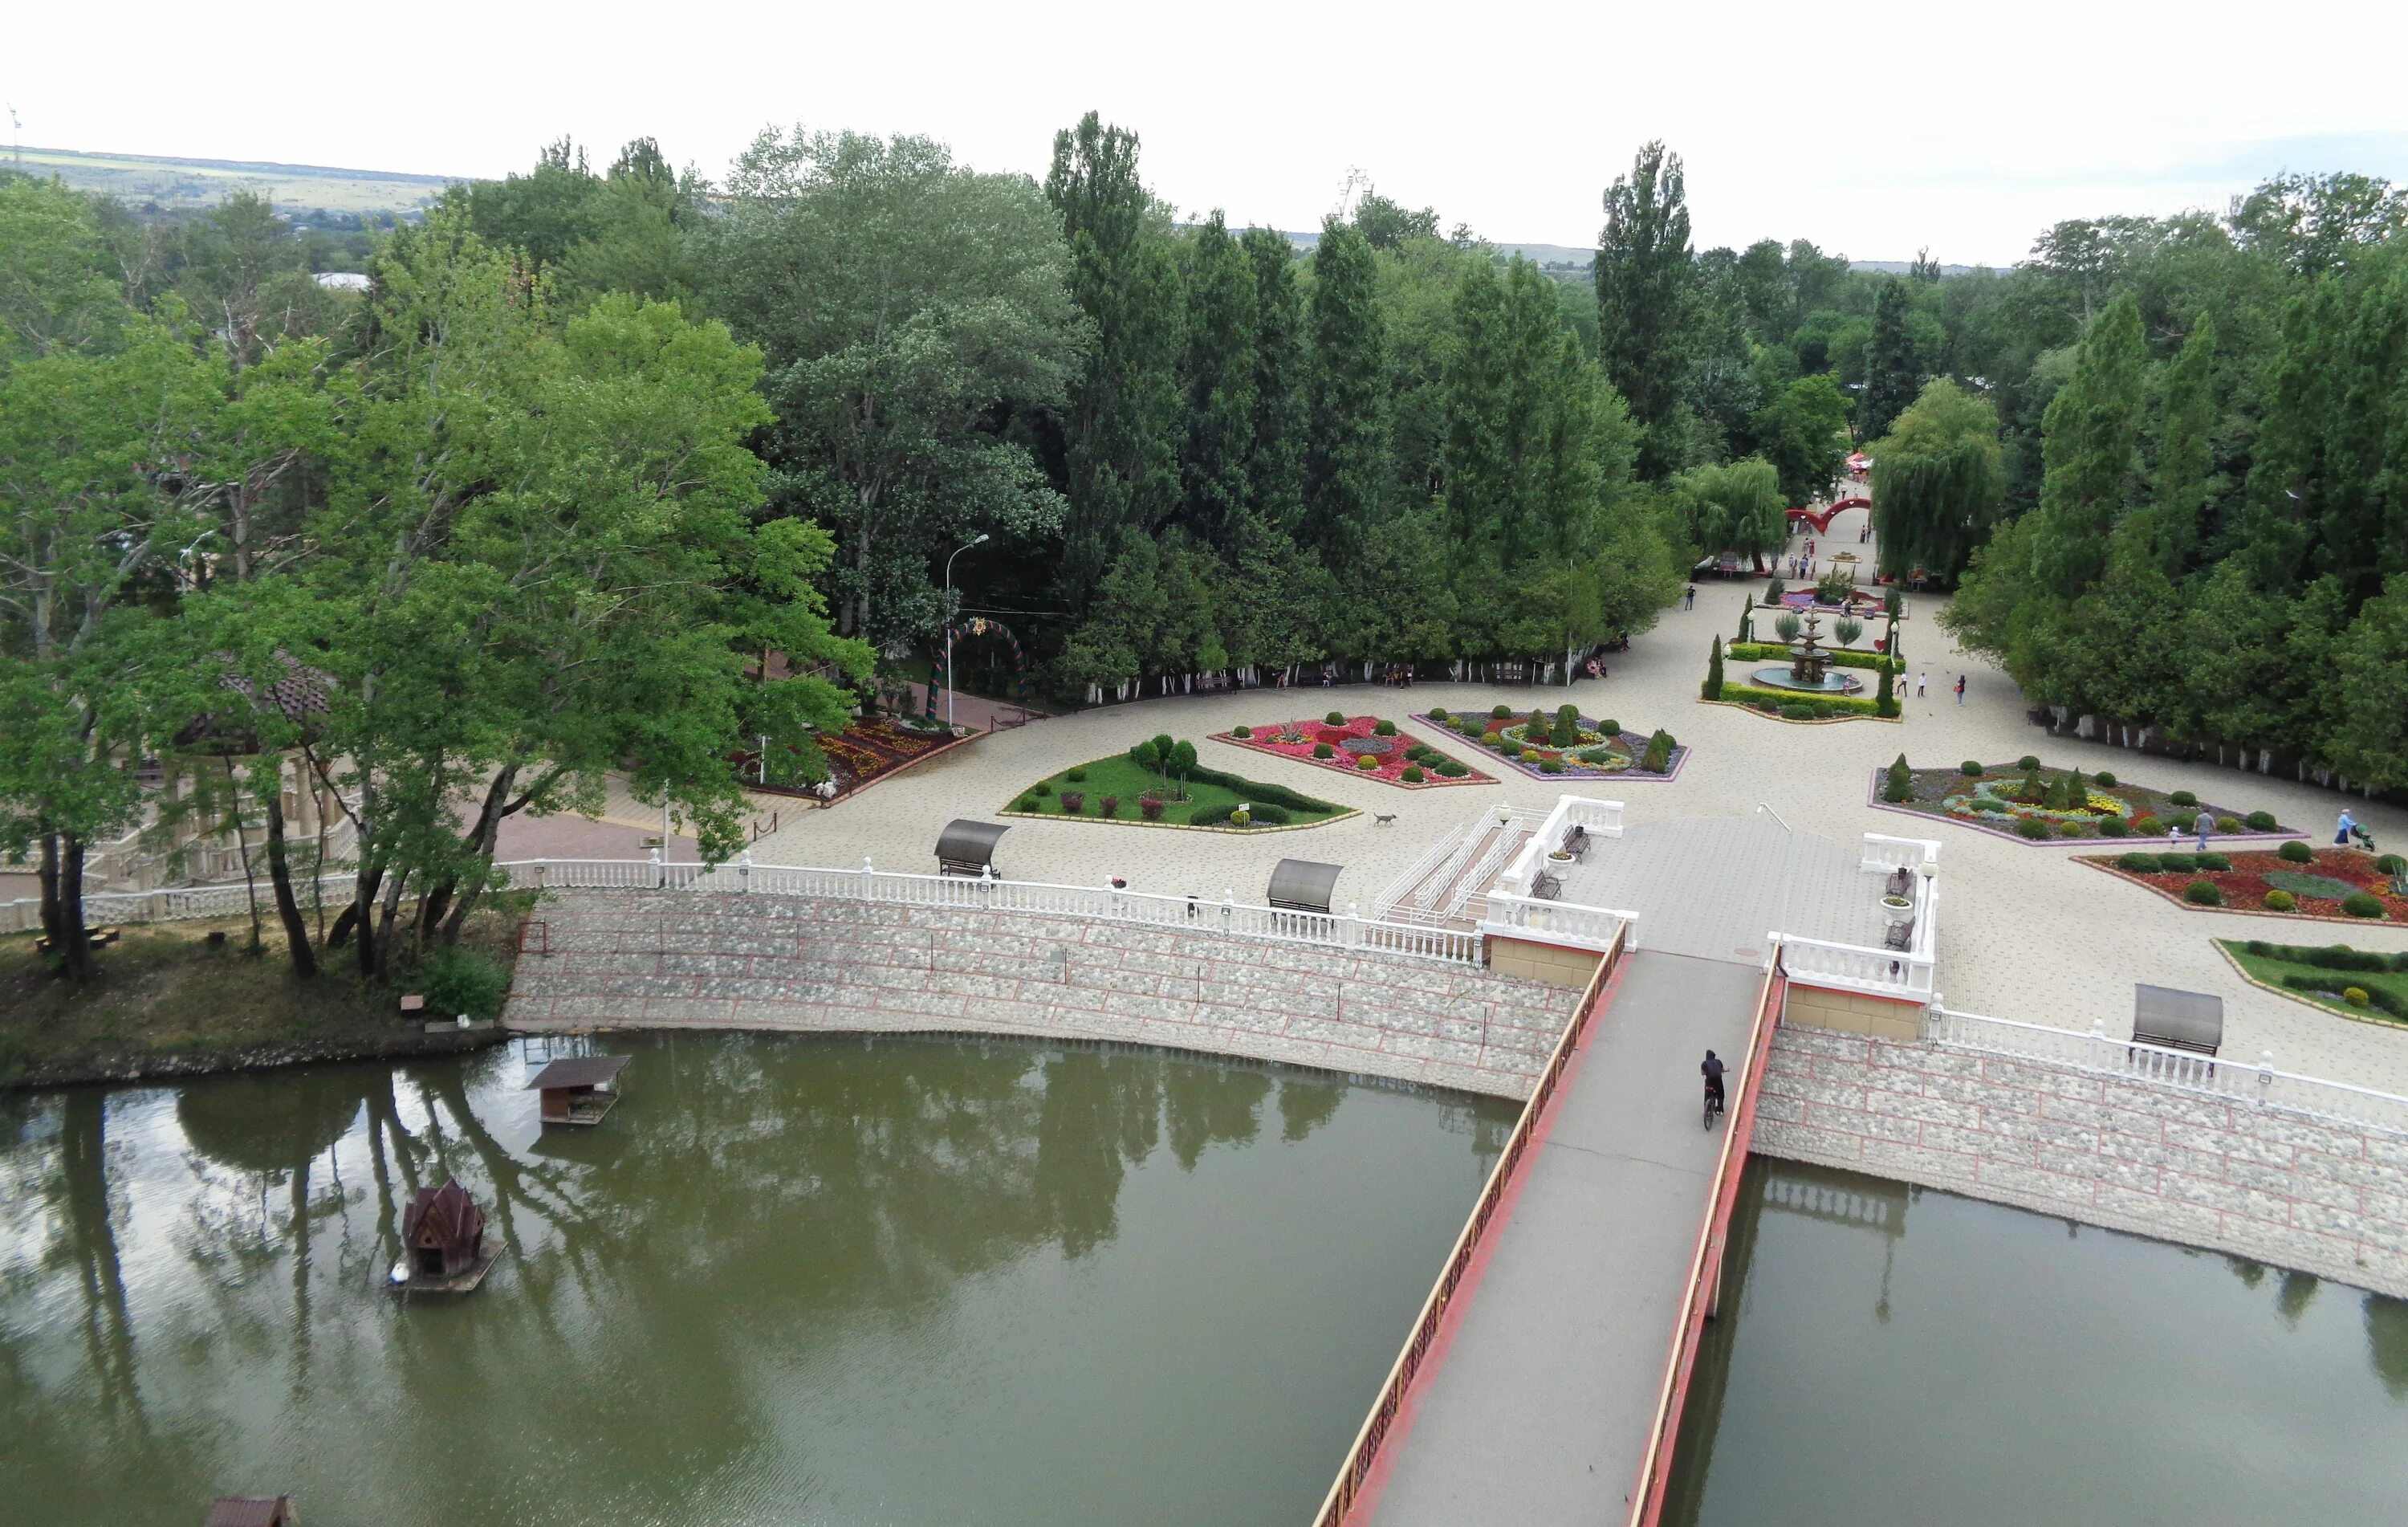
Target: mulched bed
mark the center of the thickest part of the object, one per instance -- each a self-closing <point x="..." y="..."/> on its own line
<point x="1949" y="794"/>
<point x="2252" y="875"/>
<point x="863" y="754"/>
<point x="1358" y="739"/>
<point x="1502" y="737"/>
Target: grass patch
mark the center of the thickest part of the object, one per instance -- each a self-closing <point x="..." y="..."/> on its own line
<point x="2386" y="990"/>
<point x="1208" y="792"/>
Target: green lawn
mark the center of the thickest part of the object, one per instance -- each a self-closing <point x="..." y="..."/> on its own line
<point x="1118" y="777"/>
<point x="2274" y="970"/>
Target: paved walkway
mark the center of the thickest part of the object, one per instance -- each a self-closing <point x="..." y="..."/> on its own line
<point x="1538" y="1406"/>
<point x="1712" y="888"/>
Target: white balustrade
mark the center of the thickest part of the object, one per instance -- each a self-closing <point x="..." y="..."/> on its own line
<point x="1553" y="922"/>
<point x="1883" y="852"/>
<point x="1851" y="967"/>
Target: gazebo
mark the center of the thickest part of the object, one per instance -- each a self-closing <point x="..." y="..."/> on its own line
<point x="968" y="847"/>
<point x="580" y="1089"/>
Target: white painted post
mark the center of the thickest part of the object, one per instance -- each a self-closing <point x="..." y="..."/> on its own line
<point x="2099" y="1044"/>
<point x="2265" y="1076"/>
<point x="867" y="871"/>
<point x="660" y="876"/>
<point x="744" y="872"/>
<point x="1354" y="925"/>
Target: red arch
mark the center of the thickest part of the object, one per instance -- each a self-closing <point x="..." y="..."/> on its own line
<point x="1821" y="519"/>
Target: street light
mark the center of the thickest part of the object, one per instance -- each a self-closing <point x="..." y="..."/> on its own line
<point x="949" y="625"/>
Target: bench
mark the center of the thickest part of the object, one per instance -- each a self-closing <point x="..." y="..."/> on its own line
<point x="1900" y="935"/>
<point x="1546" y="888"/>
<point x="2177" y="1021"/>
<point x="1576" y="843"/>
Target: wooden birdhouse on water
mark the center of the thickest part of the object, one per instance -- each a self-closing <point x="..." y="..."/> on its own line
<point x="443" y="1244"/>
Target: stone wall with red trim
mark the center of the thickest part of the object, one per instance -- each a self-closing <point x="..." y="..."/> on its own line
<point x="2182" y="1166"/>
<point x="681" y="959"/>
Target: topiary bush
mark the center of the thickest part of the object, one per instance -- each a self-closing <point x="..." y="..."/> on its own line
<point x="1658" y="757"/>
<point x="1041" y="788"/>
<point x="1413" y="774"/>
<point x="1368" y="762"/>
<point x="460" y="980"/>
<point x="2203" y="893"/>
<point x="2282" y="901"/>
<point x="1268" y="816"/>
<point x="1322" y="750"/>
<point x="2178" y="864"/>
<point x="2228" y="824"/>
<point x="2138" y="864"/>
<point x="2029" y="762"/>
<point x="1210" y="816"/>
<point x="1108" y="806"/>
<point x="1076" y="776"/>
<point x="2104" y="777"/>
<point x="2033" y="827"/>
<point x="2353" y="996"/>
<point x="2362" y="905"/>
<point x="2113" y="826"/>
<point x="1797" y="711"/>
<point x="2215" y="862"/>
<point x="1551" y="766"/>
<point x="1609" y="729"/>
<point x="1335" y="718"/>
<point x="1241" y="733"/>
<point x="1384" y="729"/>
<point x="1900" y="784"/>
<point x="1969" y="769"/>
<point x="2183" y="797"/>
<point x="1437" y="712"/>
<point x="2295" y="852"/>
<point x="1073" y="802"/>
<point x="2391" y="864"/>
<point x="2261" y="821"/>
<point x="1453" y="771"/>
<point x="2147" y="826"/>
<point x="1026" y="803"/>
<point x="1500" y="712"/>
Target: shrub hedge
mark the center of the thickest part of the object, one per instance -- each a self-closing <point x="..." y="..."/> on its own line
<point x="1749" y="696"/>
<point x="2295" y="852"/>
<point x="2261" y="821"/>
<point x="2362" y="905"/>
<point x="2282" y="901"/>
<point x="2331" y="957"/>
<point x="2139" y="864"/>
<point x="1765" y="651"/>
<point x="2203" y="893"/>
<point x="2033" y="827"/>
<point x="1256" y="790"/>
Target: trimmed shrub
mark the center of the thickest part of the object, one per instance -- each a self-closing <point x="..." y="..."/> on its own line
<point x="1150" y="807"/>
<point x="1026" y="803"/>
<point x="1900" y="784"/>
<point x="2138" y="864"/>
<point x="1413" y="774"/>
<point x="1366" y="762"/>
<point x="1885" y="696"/>
<point x="2183" y="797"/>
<point x="1453" y="771"/>
<point x="1384" y="729"/>
<point x="2113" y="826"/>
<point x="1076" y="776"/>
<point x="1073" y="802"/>
<point x="1241" y="733"/>
<point x="2391" y="864"/>
<point x="1041" y="788"/>
<point x="1500" y="712"/>
<point x="1208" y="816"/>
<point x="1322" y="750"/>
<point x="1145" y="755"/>
<point x="1658" y="757"/>
<point x="2072" y="830"/>
<point x="1609" y="729"/>
<point x="2227" y="823"/>
<point x="1773" y="590"/>
<point x="460" y="980"/>
<point x="1713" y="687"/>
<point x="2261" y="822"/>
<point x="1108" y="806"/>
<point x="2104" y="777"/>
<point x="2178" y="864"/>
<point x="2203" y="893"/>
<point x="1437" y="712"/>
<point x="2027" y="763"/>
<point x="1797" y="711"/>
<point x="2218" y="863"/>
<point x="1969" y="769"/>
<point x="2362" y="905"/>
<point x="2295" y="852"/>
<point x="1822" y="710"/>
<point x="2353" y="996"/>
<point x="2033" y="827"/>
<point x="1847" y="630"/>
<point x="1551" y="766"/>
<point x="1335" y="718"/>
<point x="2147" y="826"/>
<point x="1529" y="754"/>
<point x="1268" y="816"/>
<point x="2282" y="901"/>
<point x="1278" y="795"/>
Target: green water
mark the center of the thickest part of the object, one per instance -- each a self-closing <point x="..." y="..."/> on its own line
<point x="1895" y="1355"/>
<point x="788" y="1281"/>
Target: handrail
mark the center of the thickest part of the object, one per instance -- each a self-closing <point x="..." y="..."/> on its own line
<point x="1705" y="1262"/>
<point x="1356" y="1466"/>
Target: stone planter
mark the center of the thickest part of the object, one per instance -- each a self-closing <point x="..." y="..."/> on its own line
<point x="1896" y="910"/>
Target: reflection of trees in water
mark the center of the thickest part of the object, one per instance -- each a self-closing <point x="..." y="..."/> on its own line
<point x="1212" y="1105"/>
<point x="2386" y="1343"/>
<point x="1307" y="1102"/>
<point x="2291" y="1301"/>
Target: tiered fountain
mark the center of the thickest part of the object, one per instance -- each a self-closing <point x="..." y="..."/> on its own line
<point x="1810" y="670"/>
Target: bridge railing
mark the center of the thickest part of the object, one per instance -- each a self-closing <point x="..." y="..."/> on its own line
<point x="2258" y="1084"/>
<point x="1357" y="1468"/>
<point x="1703" y="1291"/>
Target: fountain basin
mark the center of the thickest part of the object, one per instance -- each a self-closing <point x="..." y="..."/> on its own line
<point x="1835" y="681"/>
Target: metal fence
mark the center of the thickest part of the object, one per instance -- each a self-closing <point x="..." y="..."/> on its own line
<point x="2258" y="1084"/>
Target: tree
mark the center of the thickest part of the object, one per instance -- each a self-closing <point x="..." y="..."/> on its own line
<point x="2091" y="452"/>
<point x="1714" y="685"/>
<point x="902" y="301"/>
<point x="1935" y="482"/>
<point x="1645" y="302"/>
<point x="2371" y="742"/>
<point x="1385" y="225"/>
<point x="1217" y="376"/>
<point x="1275" y="489"/>
<point x="1891" y="374"/>
<point x="1736" y="507"/>
<point x="2185" y="460"/>
<point x="1346" y="458"/>
<point x="1803" y="433"/>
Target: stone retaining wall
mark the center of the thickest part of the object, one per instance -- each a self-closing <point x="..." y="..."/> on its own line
<point x="681" y="959"/>
<point x="2322" y="1198"/>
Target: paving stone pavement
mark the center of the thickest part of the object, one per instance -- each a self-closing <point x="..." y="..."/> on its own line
<point x="2321" y="1197"/>
<point x="680" y="959"/>
<point x="2024" y="934"/>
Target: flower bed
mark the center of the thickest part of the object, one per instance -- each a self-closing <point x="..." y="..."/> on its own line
<point x="2355" y="982"/>
<point x="872" y="748"/>
<point x="1120" y="790"/>
<point x="1591" y="749"/>
<point x="2043" y="805"/>
<point x="2264" y="881"/>
<point x="1357" y="747"/>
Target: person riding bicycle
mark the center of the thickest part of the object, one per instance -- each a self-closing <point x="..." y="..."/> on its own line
<point x="1711" y="1070"/>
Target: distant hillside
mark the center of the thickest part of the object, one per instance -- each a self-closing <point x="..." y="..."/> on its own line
<point x="180" y="185"/>
<point x="1899" y="267"/>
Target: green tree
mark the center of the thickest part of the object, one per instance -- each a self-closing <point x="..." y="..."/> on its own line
<point x="2370" y="744"/>
<point x="1347" y="459"/>
<point x="1936" y="481"/>
<point x="1646" y="302"/>
<point x="1217" y="376"/>
<point x="1892" y="375"/>
<point x="2184" y="457"/>
<point x="1737" y="507"/>
<point x="1275" y="491"/>
<point x="1803" y="433"/>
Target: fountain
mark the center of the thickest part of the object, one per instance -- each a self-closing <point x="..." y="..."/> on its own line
<point x="1809" y="668"/>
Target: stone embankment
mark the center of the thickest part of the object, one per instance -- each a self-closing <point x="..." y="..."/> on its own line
<point x="678" y="960"/>
<point x="2181" y="1166"/>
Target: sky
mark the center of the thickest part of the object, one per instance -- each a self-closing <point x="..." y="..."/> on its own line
<point x="1874" y="132"/>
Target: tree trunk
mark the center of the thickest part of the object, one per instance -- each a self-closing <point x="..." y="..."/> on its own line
<point x="54" y="928"/>
<point x="61" y="874"/>
<point x="280" y="877"/>
<point x="242" y="848"/>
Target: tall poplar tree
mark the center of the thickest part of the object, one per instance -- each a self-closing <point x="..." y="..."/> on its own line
<point x="1646" y="301"/>
<point x="1346" y="460"/>
<point x="1275" y="491"/>
<point x="2184" y="460"/>
<point x="1891" y="377"/>
<point x="1217" y="377"/>
<point x="2090" y="453"/>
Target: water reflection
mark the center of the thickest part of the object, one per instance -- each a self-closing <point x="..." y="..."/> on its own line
<point x="790" y="1280"/>
<point x="1889" y="1353"/>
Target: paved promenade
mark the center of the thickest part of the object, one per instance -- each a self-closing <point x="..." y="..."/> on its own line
<point x="1539" y="1403"/>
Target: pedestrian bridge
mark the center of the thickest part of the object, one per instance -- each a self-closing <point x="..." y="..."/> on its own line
<point x="1543" y="1382"/>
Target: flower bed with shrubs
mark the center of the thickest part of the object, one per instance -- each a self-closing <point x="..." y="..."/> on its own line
<point x="1158" y="783"/>
<point x="2358" y="981"/>
<point x="2322" y="884"/>
<point x="2035" y="804"/>
<point x="866" y="751"/>
<point x="1363" y="745"/>
<point x="1563" y="743"/>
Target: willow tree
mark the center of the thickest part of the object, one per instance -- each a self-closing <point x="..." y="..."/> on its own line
<point x="1936" y="478"/>
<point x="1735" y="506"/>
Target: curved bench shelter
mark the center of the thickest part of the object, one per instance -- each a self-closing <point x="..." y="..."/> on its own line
<point x="968" y="847"/>
<point x="2177" y="1021"/>
<point x="1303" y="886"/>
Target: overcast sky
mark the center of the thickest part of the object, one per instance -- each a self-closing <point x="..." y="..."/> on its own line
<point x="1872" y="131"/>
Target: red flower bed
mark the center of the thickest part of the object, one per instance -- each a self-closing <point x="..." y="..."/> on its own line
<point x="1349" y="744"/>
<point x="2252" y="875"/>
<point x="868" y="749"/>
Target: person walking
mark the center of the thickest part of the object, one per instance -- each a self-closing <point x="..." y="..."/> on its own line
<point x="1961" y="689"/>
<point x="2342" y="830"/>
<point x="1690" y="597"/>
<point x="2204" y="824"/>
<point x="1920" y="679"/>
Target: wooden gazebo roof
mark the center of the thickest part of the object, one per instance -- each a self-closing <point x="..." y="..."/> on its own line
<point x="578" y="1070"/>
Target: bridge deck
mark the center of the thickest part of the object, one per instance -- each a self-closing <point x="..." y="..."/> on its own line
<point x="1538" y="1406"/>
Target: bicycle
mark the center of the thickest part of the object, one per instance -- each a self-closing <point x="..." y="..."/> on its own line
<point x="1714" y="1106"/>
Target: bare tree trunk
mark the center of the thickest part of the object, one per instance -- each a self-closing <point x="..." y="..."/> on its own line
<point x="242" y="847"/>
<point x="54" y="928"/>
<point x="279" y="876"/>
<point x="63" y="904"/>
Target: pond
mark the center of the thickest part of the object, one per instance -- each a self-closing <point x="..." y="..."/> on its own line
<point x="790" y="1280"/>
<point x="1893" y="1354"/>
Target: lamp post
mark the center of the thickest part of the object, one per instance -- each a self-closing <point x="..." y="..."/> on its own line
<point x="949" y="625"/>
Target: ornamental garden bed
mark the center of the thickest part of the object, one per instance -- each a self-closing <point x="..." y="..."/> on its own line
<point x="2359" y="982"/>
<point x="2318" y="884"/>
<point x="866" y="752"/>
<point x="1363" y="745"/>
<point x="2034" y="804"/>
<point x="1564" y="743"/>
<point x="1159" y="784"/>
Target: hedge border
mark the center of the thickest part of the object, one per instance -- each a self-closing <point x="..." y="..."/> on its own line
<point x="2372" y="1014"/>
<point x="2175" y="897"/>
<point x="1343" y="813"/>
<point x="1873" y="799"/>
<point x="1804" y="720"/>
